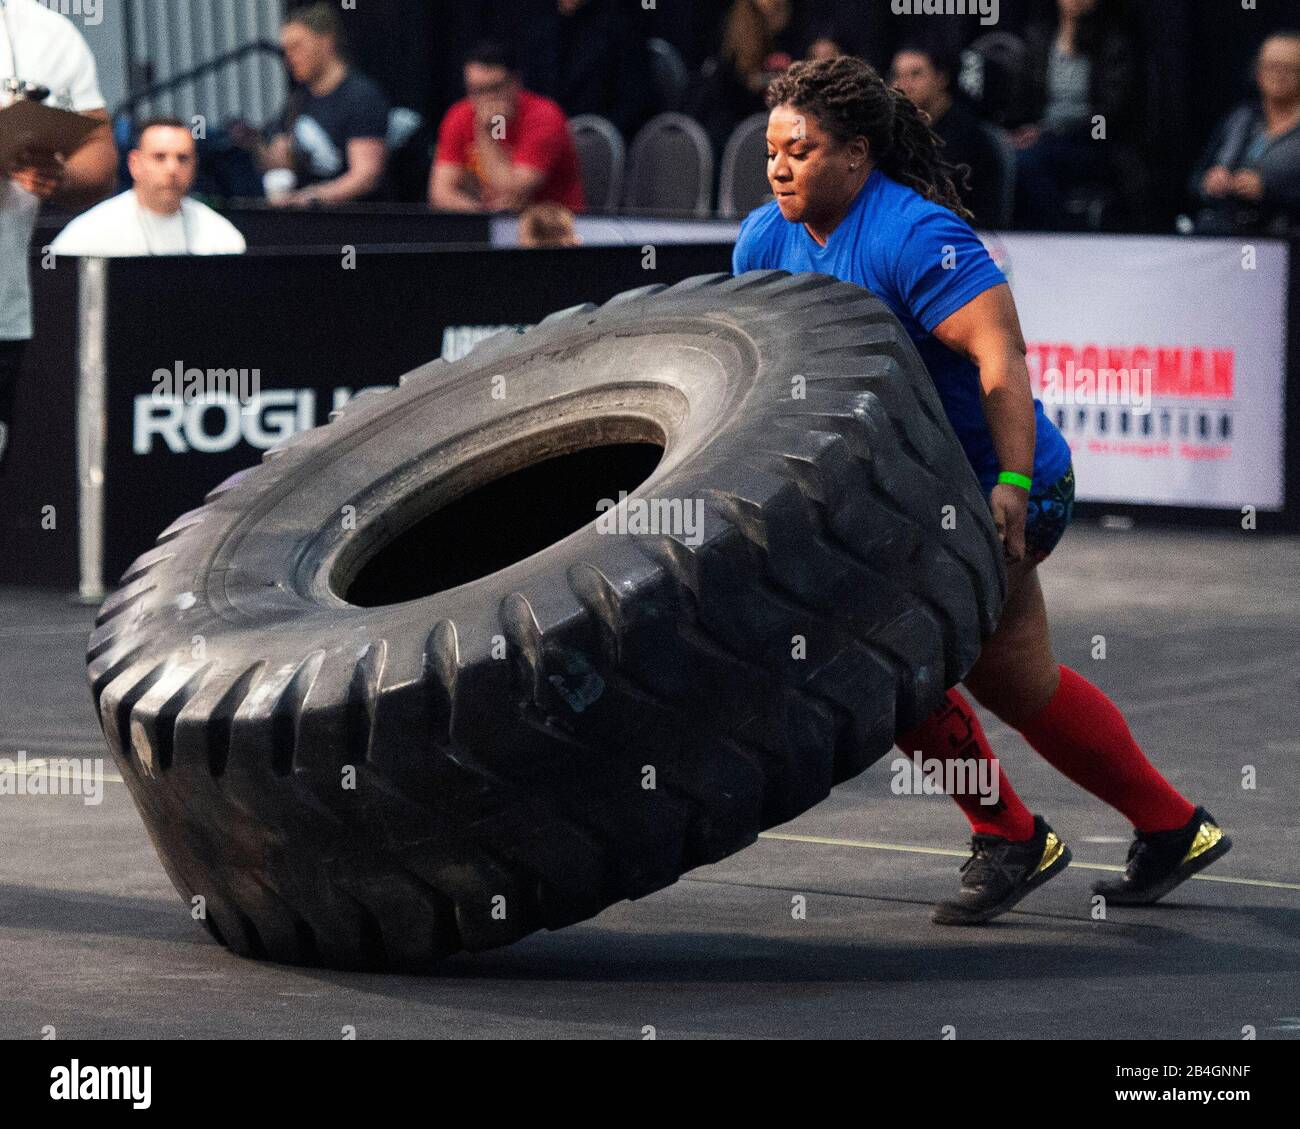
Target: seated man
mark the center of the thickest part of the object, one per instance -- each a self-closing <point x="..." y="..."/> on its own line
<point x="503" y="148"/>
<point x="334" y="130"/>
<point x="927" y="79"/>
<point x="1248" y="179"/>
<point x="154" y="217"/>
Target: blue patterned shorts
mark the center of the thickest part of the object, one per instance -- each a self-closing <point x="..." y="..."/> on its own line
<point x="1050" y="511"/>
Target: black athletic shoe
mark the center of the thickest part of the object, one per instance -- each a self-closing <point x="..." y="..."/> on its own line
<point x="999" y="873"/>
<point x="1159" y="860"/>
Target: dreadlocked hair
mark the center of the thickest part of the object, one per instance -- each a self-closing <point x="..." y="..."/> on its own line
<point x="850" y="99"/>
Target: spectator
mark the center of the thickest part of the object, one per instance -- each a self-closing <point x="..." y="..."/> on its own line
<point x="547" y="225"/>
<point x="1081" y="65"/>
<point x="1248" y="179"/>
<point x="154" y="217"/>
<point x="502" y="147"/>
<point x="692" y="26"/>
<point x="870" y="31"/>
<point x="927" y="78"/>
<point x="44" y="50"/>
<point x="758" y="43"/>
<point x="823" y="46"/>
<point x="600" y="63"/>
<point x="333" y="131"/>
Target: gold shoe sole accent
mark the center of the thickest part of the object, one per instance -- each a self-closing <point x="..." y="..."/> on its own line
<point x="1051" y="852"/>
<point x="1206" y="836"/>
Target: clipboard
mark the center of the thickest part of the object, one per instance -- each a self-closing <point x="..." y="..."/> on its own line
<point x="32" y="123"/>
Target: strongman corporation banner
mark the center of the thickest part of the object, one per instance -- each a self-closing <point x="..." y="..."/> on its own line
<point x="1162" y="360"/>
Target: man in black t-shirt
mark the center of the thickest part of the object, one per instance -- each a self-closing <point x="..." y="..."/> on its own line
<point x="333" y="131"/>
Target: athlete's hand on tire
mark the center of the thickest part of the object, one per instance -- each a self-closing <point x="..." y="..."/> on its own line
<point x="1010" y="506"/>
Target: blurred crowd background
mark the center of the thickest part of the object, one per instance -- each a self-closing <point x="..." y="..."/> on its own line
<point x="616" y="106"/>
<point x="1166" y="76"/>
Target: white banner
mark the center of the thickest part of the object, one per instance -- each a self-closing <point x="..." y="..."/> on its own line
<point x="1162" y="360"/>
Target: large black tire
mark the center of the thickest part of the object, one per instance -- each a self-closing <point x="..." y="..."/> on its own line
<point x="588" y="723"/>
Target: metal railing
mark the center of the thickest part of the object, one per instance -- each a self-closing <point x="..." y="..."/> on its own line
<point x="151" y="100"/>
<point x="217" y="60"/>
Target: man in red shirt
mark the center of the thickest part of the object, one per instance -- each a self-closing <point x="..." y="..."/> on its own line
<point x="503" y="148"/>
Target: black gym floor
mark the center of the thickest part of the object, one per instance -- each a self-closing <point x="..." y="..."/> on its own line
<point x="1200" y="637"/>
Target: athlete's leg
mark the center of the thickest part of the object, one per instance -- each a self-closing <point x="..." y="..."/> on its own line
<point x="1073" y="725"/>
<point x="954" y="733"/>
<point x="1016" y="673"/>
<point x="1013" y="852"/>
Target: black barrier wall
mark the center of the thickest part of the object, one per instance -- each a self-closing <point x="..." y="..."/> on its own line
<point x="38" y="487"/>
<point x="306" y="332"/>
<point x="358" y="225"/>
<point x="310" y="330"/>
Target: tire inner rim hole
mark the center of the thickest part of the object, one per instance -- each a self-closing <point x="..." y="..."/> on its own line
<point x="500" y="522"/>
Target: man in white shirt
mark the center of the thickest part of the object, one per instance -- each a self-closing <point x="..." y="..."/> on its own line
<point x="41" y="47"/>
<point x="154" y="217"/>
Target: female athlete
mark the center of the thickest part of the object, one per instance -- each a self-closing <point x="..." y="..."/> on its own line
<point x="863" y="194"/>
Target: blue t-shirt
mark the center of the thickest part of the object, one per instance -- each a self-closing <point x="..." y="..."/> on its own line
<point x="924" y="263"/>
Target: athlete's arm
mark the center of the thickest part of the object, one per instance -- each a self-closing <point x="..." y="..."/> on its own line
<point x="987" y="331"/>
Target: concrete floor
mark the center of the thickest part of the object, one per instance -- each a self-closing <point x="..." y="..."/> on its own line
<point x="1201" y="638"/>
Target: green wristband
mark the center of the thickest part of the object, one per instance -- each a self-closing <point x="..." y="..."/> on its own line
<point x="1011" y="478"/>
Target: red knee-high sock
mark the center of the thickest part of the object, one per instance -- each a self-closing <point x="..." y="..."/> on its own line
<point x="953" y="732"/>
<point x="1082" y="734"/>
